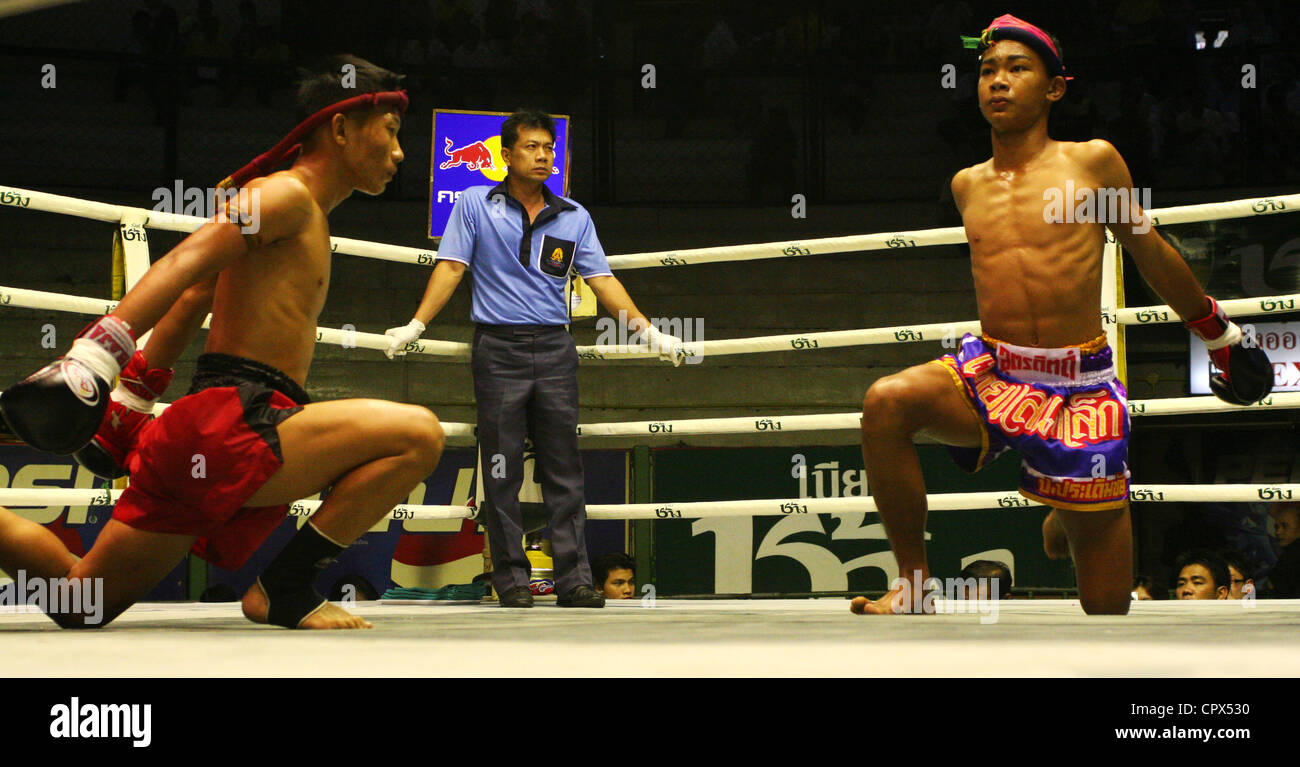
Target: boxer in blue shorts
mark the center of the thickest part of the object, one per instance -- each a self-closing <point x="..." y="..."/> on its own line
<point x="1041" y="379"/>
<point x="1062" y="409"/>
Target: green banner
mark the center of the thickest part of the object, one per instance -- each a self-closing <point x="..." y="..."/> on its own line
<point x="827" y="552"/>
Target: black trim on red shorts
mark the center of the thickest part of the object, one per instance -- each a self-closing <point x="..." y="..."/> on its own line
<point x="256" y="384"/>
<point x="228" y="370"/>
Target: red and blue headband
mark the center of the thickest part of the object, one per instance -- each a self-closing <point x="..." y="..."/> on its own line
<point x="1008" y="27"/>
<point x="290" y="145"/>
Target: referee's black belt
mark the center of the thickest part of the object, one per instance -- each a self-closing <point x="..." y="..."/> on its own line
<point x="519" y="330"/>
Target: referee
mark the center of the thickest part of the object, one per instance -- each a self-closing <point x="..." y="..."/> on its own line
<point x="520" y="242"/>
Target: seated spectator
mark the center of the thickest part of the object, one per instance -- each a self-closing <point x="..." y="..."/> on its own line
<point x="1241" y="572"/>
<point x="1284" y="579"/>
<point x="1201" y="575"/>
<point x="992" y="579"/>
<point x="614" y="575"/>
<point x="1146" y="588"/>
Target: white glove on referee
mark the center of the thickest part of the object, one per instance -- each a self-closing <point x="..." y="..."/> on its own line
<point x="398" y="338"/>
<point x="669" y="348"/>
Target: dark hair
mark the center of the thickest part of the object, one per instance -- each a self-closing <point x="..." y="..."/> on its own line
<point x="1210" y="561"/>
<point x="1152" y="586"/>
<point x="990" y="570"/>
<point x="1234" y="558"/>
<point x="322" y="85"/>
<point x="525" y="118"/>
<point x="603" y="564"/>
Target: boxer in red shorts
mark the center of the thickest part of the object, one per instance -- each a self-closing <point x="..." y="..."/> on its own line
<point x="214" y="474"/>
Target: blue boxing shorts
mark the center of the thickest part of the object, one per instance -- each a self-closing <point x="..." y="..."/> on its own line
<point x="1062" y="409"/>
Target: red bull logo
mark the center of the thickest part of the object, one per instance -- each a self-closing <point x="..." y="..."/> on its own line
<point x="475" y="156"/>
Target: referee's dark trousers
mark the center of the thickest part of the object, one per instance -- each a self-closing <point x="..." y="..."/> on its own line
<point x="526" y="384"/>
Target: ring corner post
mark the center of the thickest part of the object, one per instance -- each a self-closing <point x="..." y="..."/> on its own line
<point x="641" y="532"/>
<point x="1112" y="300"/>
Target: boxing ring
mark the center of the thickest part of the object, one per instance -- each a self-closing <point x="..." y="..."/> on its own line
<point x="686" y="636"/>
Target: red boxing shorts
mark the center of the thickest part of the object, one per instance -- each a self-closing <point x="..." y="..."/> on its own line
<point x="198" y="463"/>
<point x="1062" y="409"/>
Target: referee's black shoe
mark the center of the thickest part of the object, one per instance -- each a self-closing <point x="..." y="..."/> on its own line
<point x="582" y="596"/>
<point x="519" y="596"/>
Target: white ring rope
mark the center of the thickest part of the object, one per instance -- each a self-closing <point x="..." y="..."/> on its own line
<point x="849" y="421"/>
<point x="953" y="235"/>
<point x="843" y="421"/>
<point x="34" y="299"/>
<point x="749" y="508"/>
<point x="100" y="211"/>
<point x="15" y="7"/>
<point x="938" y="331"/>
<point x="788" y="342"/>
<point x="37" y="299"/>
<point x="114" y="214"/>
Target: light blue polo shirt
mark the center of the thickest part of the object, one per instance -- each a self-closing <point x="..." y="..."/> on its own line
<point x="520" y="268"/>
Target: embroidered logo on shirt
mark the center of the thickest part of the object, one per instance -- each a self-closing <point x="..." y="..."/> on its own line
<point x="557" y="256"/>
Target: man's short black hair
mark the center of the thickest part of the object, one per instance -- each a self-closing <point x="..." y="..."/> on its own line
<point x="323" y="85"/>
<point x="1234" y="558"/>
<point x="1152" y="586"/>
<point x="603" y="564"/>
<point x="1210" y="561"/>
<point x="525" y="118"/>
<point x="989" y="569"/>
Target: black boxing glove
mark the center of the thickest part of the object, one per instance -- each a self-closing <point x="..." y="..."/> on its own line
<point x="1247" y="375"/>
<point x="59" y="407"/>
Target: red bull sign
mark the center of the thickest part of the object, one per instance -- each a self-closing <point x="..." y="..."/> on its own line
<point x="467" y="152"/>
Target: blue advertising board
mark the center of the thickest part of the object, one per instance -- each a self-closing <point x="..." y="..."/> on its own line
<point x="467" y="152"/>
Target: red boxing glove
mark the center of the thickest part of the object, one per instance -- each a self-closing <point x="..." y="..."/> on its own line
<point x="58" y="408"/>
<point x="130" y="409"/>
<point x="1247" y="375"/>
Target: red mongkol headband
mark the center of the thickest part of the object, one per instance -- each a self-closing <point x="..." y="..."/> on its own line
<point x="290" y="145"/>
<point x="1008" y="27"/>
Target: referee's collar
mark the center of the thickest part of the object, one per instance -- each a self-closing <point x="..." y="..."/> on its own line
<point x="551" y="199"/>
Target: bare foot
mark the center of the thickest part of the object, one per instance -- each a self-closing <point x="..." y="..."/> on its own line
<point x="328" y="616"/>
<point x="895" y="602"/>
<point x="1055" y="543"/>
